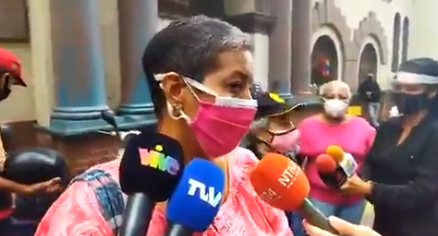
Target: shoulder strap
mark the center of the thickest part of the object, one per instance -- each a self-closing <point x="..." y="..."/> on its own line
<point x="108" y="194"/>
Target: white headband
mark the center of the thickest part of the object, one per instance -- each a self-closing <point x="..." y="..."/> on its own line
<point x="413" y="78"/>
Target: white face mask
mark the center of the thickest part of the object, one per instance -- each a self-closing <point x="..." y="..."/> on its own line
<point x="335" y="107"/>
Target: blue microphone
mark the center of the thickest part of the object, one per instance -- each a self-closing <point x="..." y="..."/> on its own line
<point x="196" y="199"/>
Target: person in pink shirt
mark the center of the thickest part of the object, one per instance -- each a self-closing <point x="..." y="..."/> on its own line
<point x="199" y="72"/>
<point x="334" y="127"/>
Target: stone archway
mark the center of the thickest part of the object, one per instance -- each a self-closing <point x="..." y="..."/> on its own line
<point x="368" y="61"/>
<point x="324" y="52"/>
<point x="327" y="13"/>
<point x="372" y="26"/>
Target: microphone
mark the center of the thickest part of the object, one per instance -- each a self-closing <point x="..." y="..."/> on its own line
<point x="345" y="160"/>
<point x="196" y="199"/>
<point x="110" y="117"/>
<point x="329" y="171"/>
<point x="282" y="184"/>
<point x="149" y="171"/>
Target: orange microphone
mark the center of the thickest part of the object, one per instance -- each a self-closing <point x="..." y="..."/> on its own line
<point x="345" y="160"/>
<point x="329" y="171"/>
<point x="335" y="152"/>
<point x="282" y="184"/>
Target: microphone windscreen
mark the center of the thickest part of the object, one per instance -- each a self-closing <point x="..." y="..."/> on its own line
<point x="152" y="163"/>
<point x="335" y="152"/>
<point x="325" y="163"/>
<point x="198" y="196"/>
<point x="280" y="182"/>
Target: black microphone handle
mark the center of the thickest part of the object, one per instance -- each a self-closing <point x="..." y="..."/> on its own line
<point x="315" y="217"/>
<point x="334" y="179"/>
<point x="177" y="230"/>
<point x="137" y="215"/>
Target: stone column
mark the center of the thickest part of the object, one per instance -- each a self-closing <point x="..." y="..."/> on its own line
<point x="301" y="46"/>
<point x="254" y="17"/>
<point x="78" y="67"/>
<point x="280" y="48"/>
<point x="138" y="20"/>
<point x="41" y="57"/>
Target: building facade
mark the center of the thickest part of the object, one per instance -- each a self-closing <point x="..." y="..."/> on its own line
<point x="81" y="57"/>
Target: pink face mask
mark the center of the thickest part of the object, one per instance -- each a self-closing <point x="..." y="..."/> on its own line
<point x="286" y="142"/>
<point x="220" y="126"/>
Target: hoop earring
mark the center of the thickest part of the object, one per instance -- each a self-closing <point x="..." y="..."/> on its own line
<point x="174" y="111"/>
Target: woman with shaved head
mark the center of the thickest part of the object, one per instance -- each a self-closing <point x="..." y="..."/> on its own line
<point x="199" y="72"/>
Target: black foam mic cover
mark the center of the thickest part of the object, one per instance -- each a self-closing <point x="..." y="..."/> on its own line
<point x="150" y="169"/>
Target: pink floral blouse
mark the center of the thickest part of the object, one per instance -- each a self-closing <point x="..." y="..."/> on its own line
<point x="76" y="212"/>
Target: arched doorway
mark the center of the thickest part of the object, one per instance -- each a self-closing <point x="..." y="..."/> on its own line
<point x="368" y="61"/>
<point x="324" y="61"/>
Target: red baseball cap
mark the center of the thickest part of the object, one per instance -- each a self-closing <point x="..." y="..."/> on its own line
<point x="10" y="63"/>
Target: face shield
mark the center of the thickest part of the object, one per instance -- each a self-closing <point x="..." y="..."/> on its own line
<point x="410" y="93"/>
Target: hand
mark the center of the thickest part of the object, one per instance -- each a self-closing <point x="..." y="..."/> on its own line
<point x="356" y="185"/>
<point x="344" y="228"/>
<point x="2" y="160"/>
<point x="50" y="186"/>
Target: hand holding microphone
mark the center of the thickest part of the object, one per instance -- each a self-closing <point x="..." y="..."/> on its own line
<point x="329" y="171"/>
<point x="340" y="171"/>
<point x="345" y="160"/>
<point x="150" y="169"/>
<point x="282" y="184"/>
<point x="196" y="200"/>
<point x="336" y="166"/>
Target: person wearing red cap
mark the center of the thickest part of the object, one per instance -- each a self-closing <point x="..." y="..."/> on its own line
<point x="10" y="73"/>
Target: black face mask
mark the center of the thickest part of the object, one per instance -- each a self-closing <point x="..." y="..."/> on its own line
<point x="4" y="93"/>
<point x="409" y="104"/>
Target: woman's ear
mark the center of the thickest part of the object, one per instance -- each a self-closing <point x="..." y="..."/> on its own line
<point x="173" y="86"/>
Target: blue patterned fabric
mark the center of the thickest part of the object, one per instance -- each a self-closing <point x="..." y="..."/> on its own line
<point x="108" y="195"/>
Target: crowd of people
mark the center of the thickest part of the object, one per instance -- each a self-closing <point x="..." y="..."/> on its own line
<point x="209" y="104"/>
